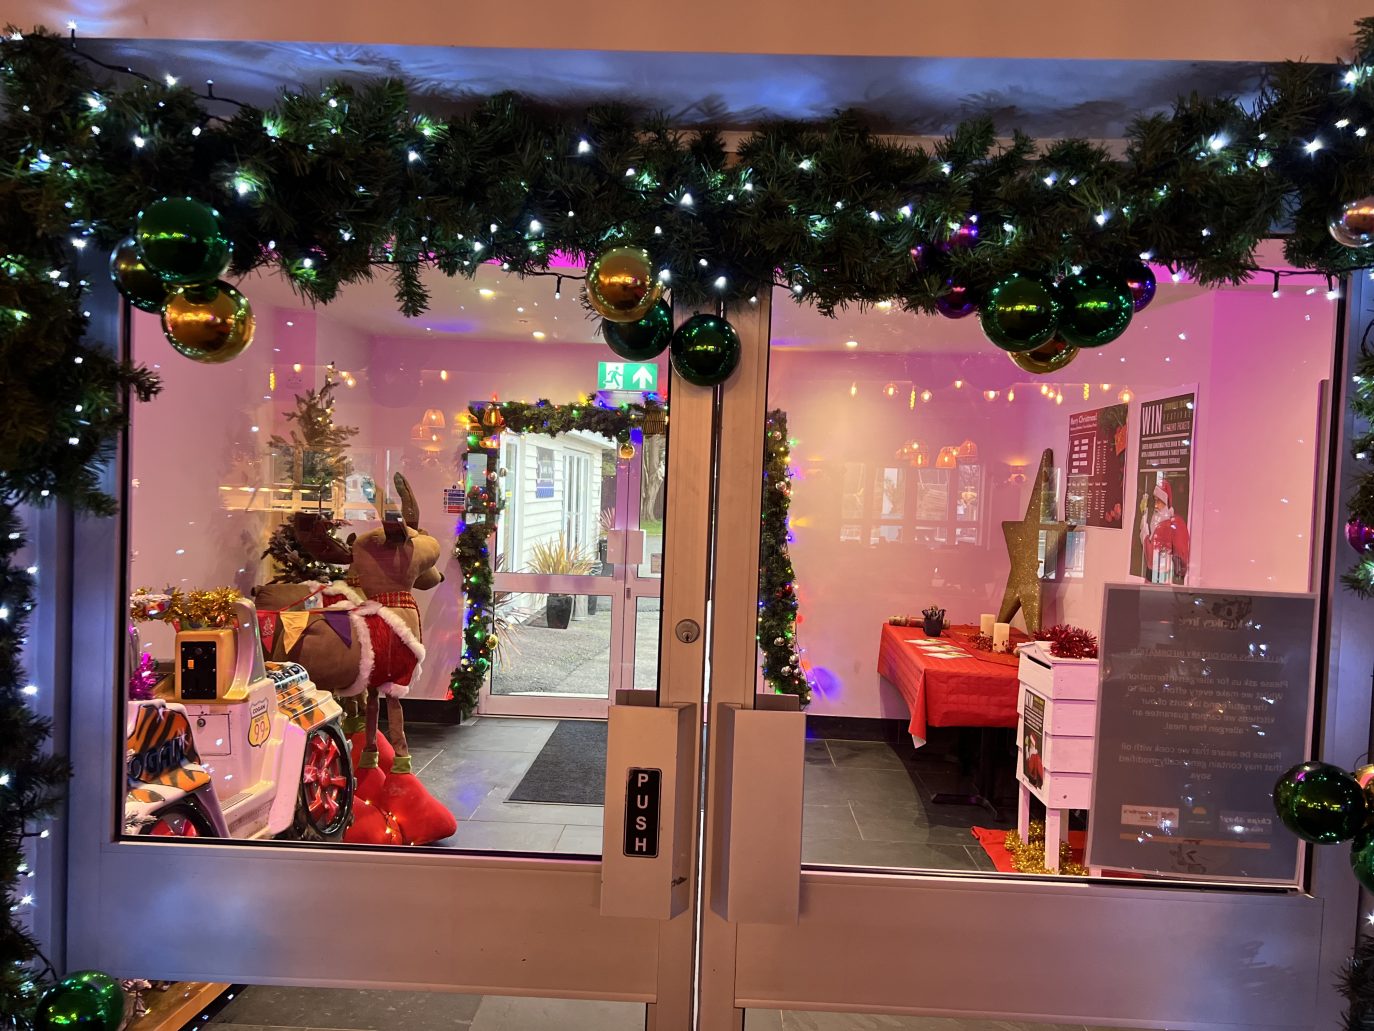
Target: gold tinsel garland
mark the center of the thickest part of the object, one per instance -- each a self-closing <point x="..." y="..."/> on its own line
<point x="198" y="610"/>
<point x="1029" y="856"/>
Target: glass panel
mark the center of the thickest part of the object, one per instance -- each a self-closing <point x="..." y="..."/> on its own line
<point x="798" y="1020"/>
<point x="652" y="495"/>
<point x="922" y="752"/>
<point x="648" y="615"/>
<point x="554" y="644"/>
<point x="263" y="498"/>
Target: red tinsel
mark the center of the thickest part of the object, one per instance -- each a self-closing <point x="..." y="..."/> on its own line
<point x="1069" y="642"/>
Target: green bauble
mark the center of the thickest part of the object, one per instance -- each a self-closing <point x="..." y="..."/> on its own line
<point x="1362" y="857"/>
<point x="143" y="288"/>
<point x="705" y="350"/>
<point x="180" y="239"/>
<point x="1320" y="803"/>
<point x="89" y="1000"/>
<point x="1020" y="312"/>
<point x="644" y="340"/>
<point x="1097" y="307"/>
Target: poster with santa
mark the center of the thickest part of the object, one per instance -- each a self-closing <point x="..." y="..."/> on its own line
<point x="1097" y="467"/>
<point x="1161" y="547"/>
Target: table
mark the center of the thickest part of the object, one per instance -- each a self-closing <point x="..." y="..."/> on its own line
<point x="948" y="683"/>
<point x="954" y="691"/>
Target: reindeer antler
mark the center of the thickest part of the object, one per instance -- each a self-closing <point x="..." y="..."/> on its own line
<point x="410" y="510"/>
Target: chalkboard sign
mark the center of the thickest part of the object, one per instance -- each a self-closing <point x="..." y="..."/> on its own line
<point x="1205" y="699"/>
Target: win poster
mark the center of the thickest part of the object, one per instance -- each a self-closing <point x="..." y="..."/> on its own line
<point x="1161" y="548"/>
<point x="1097" y="467"/>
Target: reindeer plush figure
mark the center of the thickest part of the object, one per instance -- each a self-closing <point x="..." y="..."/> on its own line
<point x="381" y="653"/>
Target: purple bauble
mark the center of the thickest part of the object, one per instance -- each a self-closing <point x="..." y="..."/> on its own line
<point x="1141" y="281"/>
<point x="1360" y="535"/>
<point x="957" y="302"/>
<point x="966" y="235"/>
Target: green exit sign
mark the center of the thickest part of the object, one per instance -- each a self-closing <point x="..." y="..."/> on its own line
<point x="627" y="376"/>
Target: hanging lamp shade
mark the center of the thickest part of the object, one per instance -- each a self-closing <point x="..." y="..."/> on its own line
<point x="968" y="451"/>
<point x="432" y="419"/>
<point x="948" y="458"/>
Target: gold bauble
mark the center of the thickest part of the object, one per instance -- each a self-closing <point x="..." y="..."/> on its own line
<point x="626" y="451"/>
<point x="1354" y="225"/>
<point x="621" y="285"/>
<point x="210" y="324"/>
<point x="1045" y="359"/>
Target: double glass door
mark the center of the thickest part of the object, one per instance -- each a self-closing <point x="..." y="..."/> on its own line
<point x="692" y="781"/>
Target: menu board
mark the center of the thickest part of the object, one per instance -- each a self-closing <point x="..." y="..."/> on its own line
<point x="1205" y="700"/>
<point x="1097" y="467"/>
<point x="1161" y="549"/>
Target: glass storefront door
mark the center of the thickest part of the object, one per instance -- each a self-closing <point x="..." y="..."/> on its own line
<point x="904" y="867"/>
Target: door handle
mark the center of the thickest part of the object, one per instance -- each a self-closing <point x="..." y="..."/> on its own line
<point x="758" y="761"/>
<point x="647" y="827"/>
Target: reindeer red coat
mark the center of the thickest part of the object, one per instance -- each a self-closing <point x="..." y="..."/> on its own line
<point x="383" y="652"/>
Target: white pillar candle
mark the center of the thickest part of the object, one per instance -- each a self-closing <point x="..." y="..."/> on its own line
<point x="985" y="623"/>
<point x="1001" y="635"/>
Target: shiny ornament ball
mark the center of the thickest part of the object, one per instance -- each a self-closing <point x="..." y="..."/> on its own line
<point x="626" y="451"/>
<point x="621" y="285"/>
<point x="963" y="236"/>
<point x="1320" y="803"/>
<point x="142" y="287"/>
<point x="956" y="302"/>
<point x="1140" y="280"/>
<point x="1097" y="307"/>
<point x="1354" y="225"/>
<point x="180" y="239"/>
<point x="644" y="340"/>
<point x="87" y="999"/>
<point x="1047" y="358"/>
<point x="705" y="350"/>
<point x="1359" y="535"/>
<point x="1020" y="312"/>
<point x="1362" y="858"/>
<point x="210" y="324"/>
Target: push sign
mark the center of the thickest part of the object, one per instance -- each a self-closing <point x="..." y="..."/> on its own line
<point x="643" y="801"/>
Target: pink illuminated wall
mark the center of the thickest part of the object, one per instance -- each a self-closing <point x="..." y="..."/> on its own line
<point x="1259" y="364"/>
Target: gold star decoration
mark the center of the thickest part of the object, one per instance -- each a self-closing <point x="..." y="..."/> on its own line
<point x="1023" y="548"/>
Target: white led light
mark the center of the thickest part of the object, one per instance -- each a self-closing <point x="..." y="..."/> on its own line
<point x="30" y="689"/>
<point x="73" y="441"/>
<point x="946" y="167"/>
<point x="412" y="155"/>
<point x="1217" y="142"/>
<point x="664" y="276"/>
<point x="583" y="147"/>
<point x="1313" y="146"/>
<point x="1050" y="179"/>
<point x="1101" y="218"/>
<point x="1146" y="255"/>
<point x="139" y="141"/>
<point x="170" y="79"/>
<point x="536" y="226"/>
<point x="720" y="282"/>
<point x="686" y="200"/>
<point x="905" y="210"/>
<point x="1342" y="123"/>
<point x="804" y="164"/>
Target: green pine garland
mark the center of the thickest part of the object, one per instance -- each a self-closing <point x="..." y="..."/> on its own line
<point x="783" y="669"/>
<point x="1360" y="578"/>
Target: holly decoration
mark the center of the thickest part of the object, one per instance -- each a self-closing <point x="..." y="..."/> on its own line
<point x="1069" y="642"/>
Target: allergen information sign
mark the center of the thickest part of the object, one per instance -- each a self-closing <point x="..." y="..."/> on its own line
<point x="1204" y="702"/>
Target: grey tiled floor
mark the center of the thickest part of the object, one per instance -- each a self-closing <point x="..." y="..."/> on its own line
<point x="868" y="802"/>
<point x="337" y="1009"/>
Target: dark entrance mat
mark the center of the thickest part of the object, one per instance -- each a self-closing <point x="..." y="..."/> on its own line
<point x="570" y="768"/>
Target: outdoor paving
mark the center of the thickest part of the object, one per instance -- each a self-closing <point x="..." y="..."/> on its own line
<point x="575" y="660"/>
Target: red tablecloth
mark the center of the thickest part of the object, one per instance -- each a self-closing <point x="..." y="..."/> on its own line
<point x="955" y="691"/>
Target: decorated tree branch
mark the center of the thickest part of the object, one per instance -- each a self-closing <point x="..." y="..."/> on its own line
<point x="783" y="669"/>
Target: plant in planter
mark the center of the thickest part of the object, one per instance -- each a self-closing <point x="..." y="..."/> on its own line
<point x="555" y="557"/>
<point x="934" y="621"/>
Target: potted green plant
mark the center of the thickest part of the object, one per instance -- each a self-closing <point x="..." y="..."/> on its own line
<point x="555" y="557"/>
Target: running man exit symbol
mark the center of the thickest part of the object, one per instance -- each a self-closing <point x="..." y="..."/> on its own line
<point x="627" y="376"/>
<point x="643" y="801"/>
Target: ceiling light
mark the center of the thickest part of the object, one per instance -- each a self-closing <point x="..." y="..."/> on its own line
<point x="851" y="344"/>
<point x="486" y="294"/>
